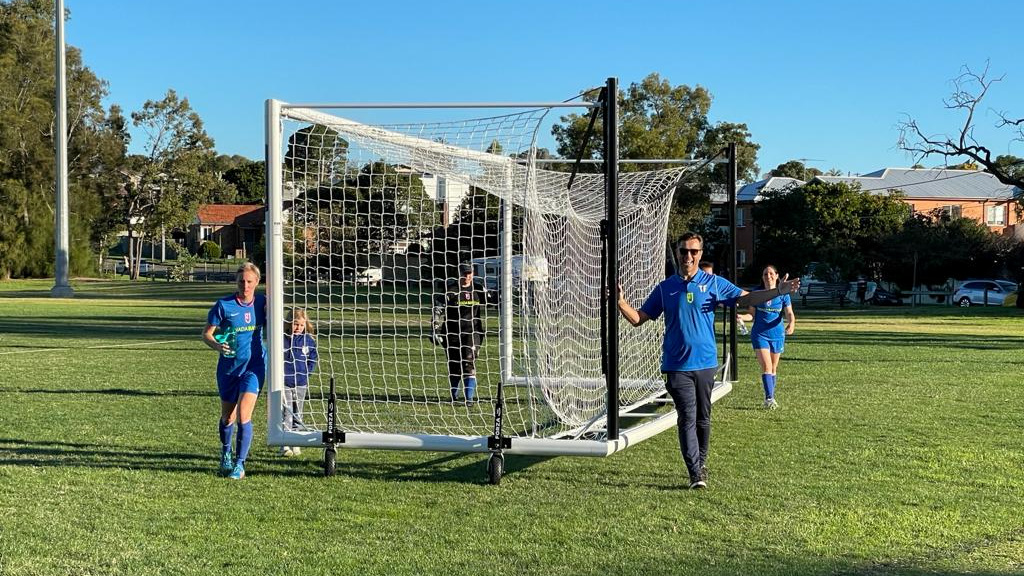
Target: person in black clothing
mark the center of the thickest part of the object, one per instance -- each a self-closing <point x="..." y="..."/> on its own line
<point x="462" y="331"/>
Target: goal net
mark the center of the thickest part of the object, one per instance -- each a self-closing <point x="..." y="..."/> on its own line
<point x="369" y="224"/>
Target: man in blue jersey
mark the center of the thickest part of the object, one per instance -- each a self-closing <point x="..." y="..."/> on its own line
<point x="234" y="327"/>
<point x="689" y="354"/>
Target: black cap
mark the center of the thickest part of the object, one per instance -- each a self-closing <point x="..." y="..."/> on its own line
<point x="465" y="269"/>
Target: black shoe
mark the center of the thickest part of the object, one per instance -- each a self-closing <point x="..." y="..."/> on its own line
<point x="703" y="476"/>
<point x="470" y="403"/>
<point x="698" y="484"/>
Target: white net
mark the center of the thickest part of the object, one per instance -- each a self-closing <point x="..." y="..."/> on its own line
<point x="377" y="220"/>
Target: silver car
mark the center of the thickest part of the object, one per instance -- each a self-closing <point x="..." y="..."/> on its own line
<point x="978" y="292"/>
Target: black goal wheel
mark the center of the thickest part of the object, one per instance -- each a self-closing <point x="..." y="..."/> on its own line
<point x="330" y="461"/>
<point x="495" y="468"/>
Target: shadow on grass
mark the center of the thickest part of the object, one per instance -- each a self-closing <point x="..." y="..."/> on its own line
<point x="471" y="468"/>
<point x="889" y="339"/>
<point x="109" y="392"/>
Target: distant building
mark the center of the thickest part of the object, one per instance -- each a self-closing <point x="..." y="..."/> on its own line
<point x="959" y="193"/>
<point x="236" y="228"/>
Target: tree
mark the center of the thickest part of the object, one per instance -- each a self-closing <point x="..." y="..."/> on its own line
<point x="249" y="180"/>
<point x="316" y="154"/>
<point x="27" y="144"/>
<point x="969" y="91"/>
<point x="659" y="120"/>
<point x="165" y="185"/>
<point x="795" y="169"/>
<point x="835" y="223"/>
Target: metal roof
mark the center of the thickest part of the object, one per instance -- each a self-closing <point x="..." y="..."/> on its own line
<point x="932" y="183"/>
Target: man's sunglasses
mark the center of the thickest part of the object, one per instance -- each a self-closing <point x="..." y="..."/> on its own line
<point x="692" y="251"/>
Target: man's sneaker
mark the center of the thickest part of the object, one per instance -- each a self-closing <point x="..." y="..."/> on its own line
<point x="698" y="484"/>
<point x="296" y="450"/>
<point x="770" y="404"/>
<point x="227" y="463"/>
<point x="238" y="472"/>
<point x="703" y="476"/>
<point x="286" y="451"/>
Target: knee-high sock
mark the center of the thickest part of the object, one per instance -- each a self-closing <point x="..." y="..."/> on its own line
<point x="768" y="380"/>
<point x="244" y="441"/>
<point x="225" y="435"/>
<point x="470" y="387"/>
<point x="454" y="382"/>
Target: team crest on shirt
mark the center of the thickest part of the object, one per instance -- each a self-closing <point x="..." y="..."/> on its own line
<point x="248" y="317"/>
<point x="703" y="288"/>
<point x="689" y="297"/>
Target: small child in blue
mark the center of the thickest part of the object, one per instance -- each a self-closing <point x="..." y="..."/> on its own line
<point x="300" y="358"/>
<point x="234" y="327"/>
<point x="768" y="334"/>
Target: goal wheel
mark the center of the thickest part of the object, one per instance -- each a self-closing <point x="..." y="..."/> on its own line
<point x="330" y="461"/>
<point x="495" y="468"/>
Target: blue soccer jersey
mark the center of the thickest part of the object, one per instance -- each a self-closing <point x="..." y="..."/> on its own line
<point x="300" y="357"/>
<point x="247" y="320"/>
<point x="768" y="318"/>
<point x="689" y="308"/>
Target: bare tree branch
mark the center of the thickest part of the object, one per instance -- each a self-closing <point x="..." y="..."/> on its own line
<point x="969" y="90"/>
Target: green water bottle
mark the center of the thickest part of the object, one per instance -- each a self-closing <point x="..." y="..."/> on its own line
<point x="227" y="336"/>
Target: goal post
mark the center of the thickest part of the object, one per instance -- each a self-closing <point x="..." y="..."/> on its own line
<point x="367" y="225"/>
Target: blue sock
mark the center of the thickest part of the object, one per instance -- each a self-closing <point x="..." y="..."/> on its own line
<point x="244" y="441"/>
<point x="225" y="436"/>
<point x="470" y="387"/>
<point x="768" y="380"/>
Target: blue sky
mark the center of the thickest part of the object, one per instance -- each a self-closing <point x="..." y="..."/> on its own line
<point x="822" y="80"/>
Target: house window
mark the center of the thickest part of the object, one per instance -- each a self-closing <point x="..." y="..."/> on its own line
<point x="739" y="218"/>
<point x="741" y="258"/>
<point x="995" y="215"/>
<point x="951" y="211"/>
<point x="204" y="232"/>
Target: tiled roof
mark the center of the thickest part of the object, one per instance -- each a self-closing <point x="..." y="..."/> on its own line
<point x="937" y="183"/>
<point x="224" y="214"/>
<point x="753" y="191"/>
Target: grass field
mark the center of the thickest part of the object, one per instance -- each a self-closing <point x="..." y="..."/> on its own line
<point x="898" y="450"/>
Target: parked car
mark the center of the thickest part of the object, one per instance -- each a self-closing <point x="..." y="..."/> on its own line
<point x="883" y="297"/>
<point x="975" y="292"/>
<point x="370" y="277"/>
<point x="144" y="268"/>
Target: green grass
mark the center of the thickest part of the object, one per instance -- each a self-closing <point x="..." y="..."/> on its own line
<point x="897" y="450"/>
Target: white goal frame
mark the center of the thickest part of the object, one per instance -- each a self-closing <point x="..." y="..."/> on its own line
<point x="650" y="422"/>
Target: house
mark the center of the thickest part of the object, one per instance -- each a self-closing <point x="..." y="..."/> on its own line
<point x="959" y="193"/>
<point x="236" y="228"/>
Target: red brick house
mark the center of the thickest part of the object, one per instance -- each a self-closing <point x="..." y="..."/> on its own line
<point x="236" y="228"/>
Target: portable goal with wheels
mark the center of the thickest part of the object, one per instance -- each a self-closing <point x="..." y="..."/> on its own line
<point x="368" y="221"/>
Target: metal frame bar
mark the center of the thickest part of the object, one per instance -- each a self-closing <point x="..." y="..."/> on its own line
<point x="611" y="186"/>
<point x="417" y="105"/>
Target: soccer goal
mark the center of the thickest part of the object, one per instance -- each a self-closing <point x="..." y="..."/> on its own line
<point x="368" y="225"/>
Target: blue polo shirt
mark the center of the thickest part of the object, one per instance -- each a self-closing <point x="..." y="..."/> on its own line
<point x="248" y="321"/>
<point x="768" y="318"/>
<point x="689" y="308"/>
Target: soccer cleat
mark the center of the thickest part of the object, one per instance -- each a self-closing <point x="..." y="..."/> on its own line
<point x="238" y="472"/>
<point x="296" y="450"/>
<point x="286" y="451"/>
<point x="771" y="404"/>
<point x="227" y="463"/>
<point x="698" y="484"/>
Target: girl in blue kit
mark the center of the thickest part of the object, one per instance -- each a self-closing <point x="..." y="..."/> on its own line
<point x="234" y="327"/>
<point x="300" y="358"/>
<point x="768" y="334"/>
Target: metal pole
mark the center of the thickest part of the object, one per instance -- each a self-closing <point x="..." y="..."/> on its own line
<point x="733" y="263"/>
<point x="611" y="186"/>
<point x="61" y="287"/>
<point x="275" y="267"/>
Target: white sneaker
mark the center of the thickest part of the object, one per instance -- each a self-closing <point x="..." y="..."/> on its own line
<point x="286" y="451"/>
<point x="296" y="450"/>
<point x="771" y="404"/>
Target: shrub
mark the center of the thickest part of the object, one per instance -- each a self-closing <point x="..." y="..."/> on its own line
<point x="210" y="249"/>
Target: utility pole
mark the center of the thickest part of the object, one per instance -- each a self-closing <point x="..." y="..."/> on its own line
<point x="61" y="287"/>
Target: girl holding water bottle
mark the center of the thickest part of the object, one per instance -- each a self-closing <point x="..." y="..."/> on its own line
<point x="234" y="327"/>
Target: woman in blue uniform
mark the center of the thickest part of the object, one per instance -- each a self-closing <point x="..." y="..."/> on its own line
<point x="234" y="327"/>
<point x="768" y="334"/>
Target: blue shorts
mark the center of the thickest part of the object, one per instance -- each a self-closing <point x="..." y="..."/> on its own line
<point x="232" y="387"/>
<point x="773" y="345"/>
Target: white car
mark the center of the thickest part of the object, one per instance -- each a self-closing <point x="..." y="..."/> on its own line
<point x="370" y="277"/>
<point x="978" y="292"/>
